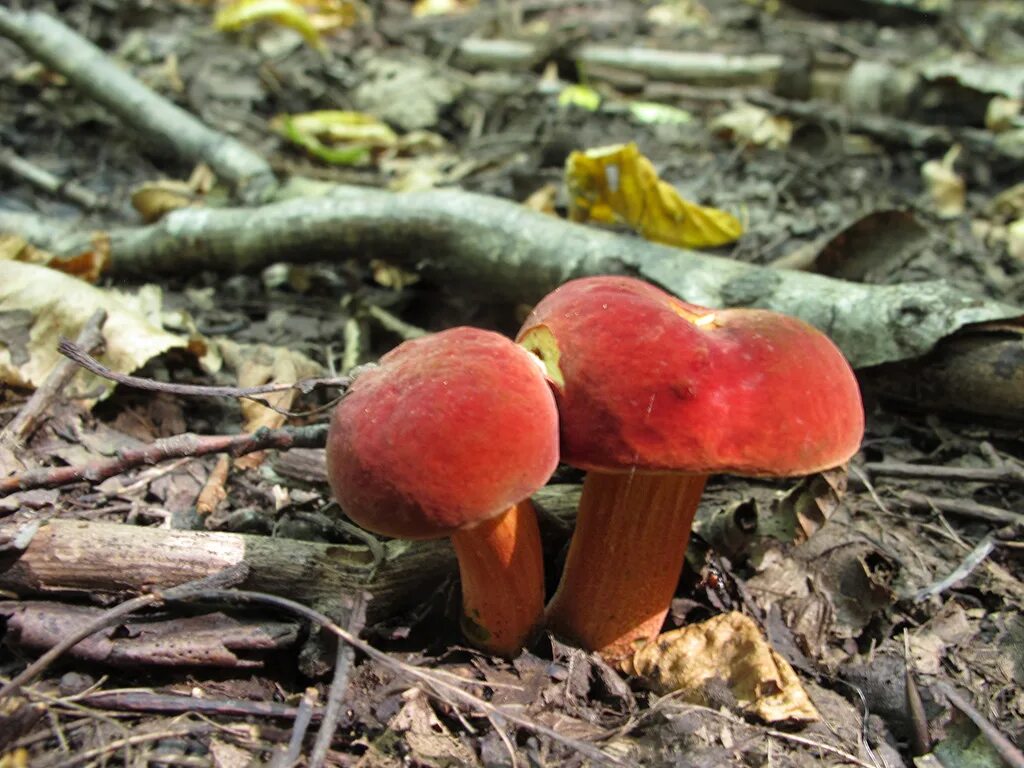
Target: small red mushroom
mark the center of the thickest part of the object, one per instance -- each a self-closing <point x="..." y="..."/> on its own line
<point x="655" y="394"/>
<point x="449" y="436"/>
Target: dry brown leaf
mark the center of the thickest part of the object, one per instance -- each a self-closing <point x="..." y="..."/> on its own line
<point x="259" y="364"/>
<point x="618" y="185"/>
<point x="728" y="649"/>
<point x="49" y="304"/>
<point x="154" y="199"/>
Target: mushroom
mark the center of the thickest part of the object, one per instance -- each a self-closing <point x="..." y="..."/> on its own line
<point x="655" y="394"/>
<point x="449" y="436"/>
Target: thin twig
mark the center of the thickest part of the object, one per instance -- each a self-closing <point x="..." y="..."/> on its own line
<point x="74" y="351"/>
<point x="974" y="558"/>
<point x="342" y="665"/>
<point x="34" y="411"/>
<point x="46" y="181"/>
<point x="1008" y="473"/>
<point x="290" y="755"/>
<point x="436" y="685"/>
<point x="234" y="574"/>
<point x="1007" y="751"/>
<point x="963" y="508"/>
<point x="177" y="447"/>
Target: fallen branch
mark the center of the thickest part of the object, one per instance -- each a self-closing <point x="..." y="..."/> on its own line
<point x="502" y="250"/>
<point x="94" y="559"/>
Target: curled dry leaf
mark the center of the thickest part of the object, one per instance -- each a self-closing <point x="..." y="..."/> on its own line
<point x="945" y="186"/>
<point x="754" y="126"/>
<point x="51" y="304"/>
<point x="695" y="661"/>
<point x="618" y="185"/>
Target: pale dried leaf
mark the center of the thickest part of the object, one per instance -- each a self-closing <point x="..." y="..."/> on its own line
<point x="56" y="305"/>
<point x="753" y="126"/>
<point x="728" y="649"/>
<point x="946" y="188"/>
<point x="259" y="364"/>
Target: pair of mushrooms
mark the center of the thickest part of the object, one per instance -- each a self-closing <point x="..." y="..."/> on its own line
<point x="452" y="433"/>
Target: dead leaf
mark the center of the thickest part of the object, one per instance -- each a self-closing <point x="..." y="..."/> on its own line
<point x="423" y="8"/>
<point x="678" y="14"/>
<point x="54" y="304"/>
<point x="391" y="276"/>
<point x="336" y="136"/>
<point x="753" y="126"/>
<point x="807" y="506"/>
<point x="87" y="265"/>
<point x="944" y="185"/>
<point x="727" y="650"/>
<point x="582" y="96"/>
<point x="259" y="364"/>
<point x="617" y="184"/>
<point x="1003" y="114"/>
<point x="154" y="199"/>
<point x="244" y="13"/>
<point x="542" y="199"/>
<point x="425" y="740"/>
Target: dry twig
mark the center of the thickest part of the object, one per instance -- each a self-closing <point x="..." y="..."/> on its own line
<point x="179" y="446"/>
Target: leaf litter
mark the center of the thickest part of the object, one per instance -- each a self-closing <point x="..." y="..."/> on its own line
<point x="832" y="585"/>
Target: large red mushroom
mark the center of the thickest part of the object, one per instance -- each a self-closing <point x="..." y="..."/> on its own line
<point x="449" y="436"/>
<point x="654" y="395"/>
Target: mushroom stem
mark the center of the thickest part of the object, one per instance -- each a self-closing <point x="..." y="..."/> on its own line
<point x="501" y="567"/>
<point x="624" y="560"/>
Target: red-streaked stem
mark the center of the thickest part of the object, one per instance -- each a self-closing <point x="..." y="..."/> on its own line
<point x="501" y="566"/>
<point x="624" y="559"/>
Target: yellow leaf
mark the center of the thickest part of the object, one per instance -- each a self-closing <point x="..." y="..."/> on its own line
<point x="697" y="659"/>
<point x="242" y="13"/>
<point x="618" y="185"/>
<point x="336" y="136"/>
<point x="582" y="96"/>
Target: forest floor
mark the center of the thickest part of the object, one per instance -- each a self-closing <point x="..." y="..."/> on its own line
<point x="826" y="136"/>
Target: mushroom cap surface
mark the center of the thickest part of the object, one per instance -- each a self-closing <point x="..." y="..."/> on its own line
<point x="448" y="431"/>
<point x="647" y="382"/>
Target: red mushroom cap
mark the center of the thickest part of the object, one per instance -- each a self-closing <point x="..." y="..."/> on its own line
<point x="648" y="382"/>
<point x="450" y="430"/>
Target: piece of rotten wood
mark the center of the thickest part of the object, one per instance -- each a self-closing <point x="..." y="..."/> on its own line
<point x="211" y="639"/>
<point x="496" y="248"/>
<point x="114" y="559"/>
<point x="978" y="370"/>
<point x="104" y="559"/>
